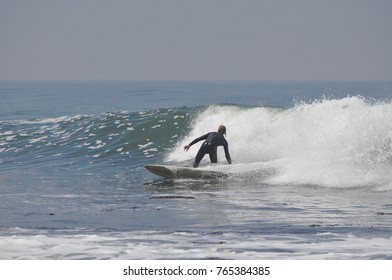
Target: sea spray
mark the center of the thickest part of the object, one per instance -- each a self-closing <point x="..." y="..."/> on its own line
<point x="329" y="142"/>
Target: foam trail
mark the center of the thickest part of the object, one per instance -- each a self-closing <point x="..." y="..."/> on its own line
<point x="338" y="142"/>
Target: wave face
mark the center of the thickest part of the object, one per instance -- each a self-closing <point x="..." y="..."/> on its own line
<point x="329" y="142"/>
<point x="109" y="138"/>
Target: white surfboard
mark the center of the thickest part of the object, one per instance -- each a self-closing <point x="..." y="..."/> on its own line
<point x="184" y="172"/>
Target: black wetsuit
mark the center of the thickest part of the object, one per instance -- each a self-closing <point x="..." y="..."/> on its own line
<point x="213" y="140"/>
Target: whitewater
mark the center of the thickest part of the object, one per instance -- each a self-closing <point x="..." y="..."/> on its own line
<point x="311" y="176"/>
<point x="333" y="143"/>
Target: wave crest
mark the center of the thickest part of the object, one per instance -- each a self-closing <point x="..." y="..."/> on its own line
<point x="330" y="142"/>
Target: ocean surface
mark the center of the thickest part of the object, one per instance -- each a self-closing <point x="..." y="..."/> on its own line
<point x="311" y="176"/>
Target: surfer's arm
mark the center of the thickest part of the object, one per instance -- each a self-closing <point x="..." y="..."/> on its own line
<point x="227" y="154"/>
<point x="204" y="137"/>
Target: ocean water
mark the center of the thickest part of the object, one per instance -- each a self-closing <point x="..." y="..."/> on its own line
<point x="311" y="176"/>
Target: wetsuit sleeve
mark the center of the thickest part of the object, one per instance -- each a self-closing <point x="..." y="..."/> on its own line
<point x="227" y="154"/>
<point x="204" y="137"/>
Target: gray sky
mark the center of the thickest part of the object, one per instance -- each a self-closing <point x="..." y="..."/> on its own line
<point x="196" y="40"/>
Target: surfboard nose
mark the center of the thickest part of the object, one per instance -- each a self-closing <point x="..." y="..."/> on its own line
<point x="184" y="172"/>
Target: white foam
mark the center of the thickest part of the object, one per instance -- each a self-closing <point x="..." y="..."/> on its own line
<point x="185" y="245"/>
<point x="344" y="142"/>
<point x="51" y="120"/>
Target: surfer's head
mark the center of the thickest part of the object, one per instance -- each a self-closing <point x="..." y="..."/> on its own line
<point x="222" y="129"/>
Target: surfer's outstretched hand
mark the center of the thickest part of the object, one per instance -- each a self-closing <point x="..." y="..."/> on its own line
<point x="186" y="148"/>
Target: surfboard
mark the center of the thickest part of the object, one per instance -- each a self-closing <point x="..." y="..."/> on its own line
<point x="184" y="172"/>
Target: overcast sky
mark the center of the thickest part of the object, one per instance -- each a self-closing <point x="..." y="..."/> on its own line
<point x="196" y="40"/>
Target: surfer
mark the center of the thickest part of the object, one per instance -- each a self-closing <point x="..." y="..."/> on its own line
<point x="210" y="145"/>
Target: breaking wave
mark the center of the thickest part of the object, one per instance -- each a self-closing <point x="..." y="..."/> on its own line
<point x="329" y="142"/>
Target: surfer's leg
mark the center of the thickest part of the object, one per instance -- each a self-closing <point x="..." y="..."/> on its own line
<point x="213" y="157"/>
<point x="200" y="154"/>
